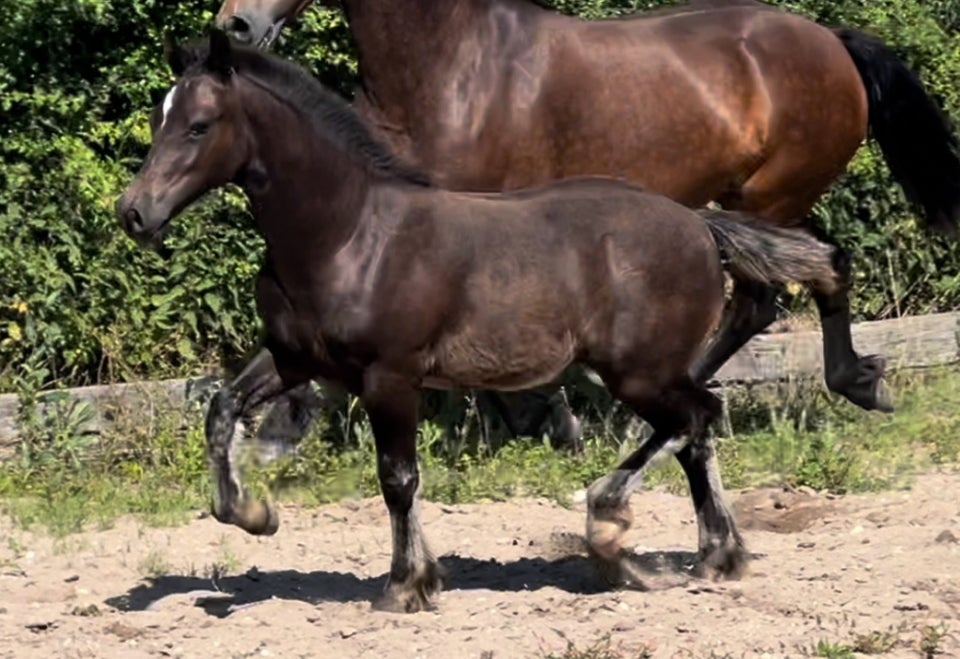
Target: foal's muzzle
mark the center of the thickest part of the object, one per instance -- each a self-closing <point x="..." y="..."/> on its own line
<point x="141" y="221"/>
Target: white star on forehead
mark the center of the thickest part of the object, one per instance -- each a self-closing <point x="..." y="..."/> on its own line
<point x="167" y="104"/>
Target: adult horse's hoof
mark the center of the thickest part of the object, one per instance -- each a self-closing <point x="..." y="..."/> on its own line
<point x="414" y="594"/>
<point x="863" y="384"/>
<point x="566" y="432"/>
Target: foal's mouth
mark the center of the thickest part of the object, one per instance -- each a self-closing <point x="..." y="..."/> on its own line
<point x="154" y="240"/>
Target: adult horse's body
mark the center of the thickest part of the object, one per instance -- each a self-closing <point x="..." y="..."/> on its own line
<point x="736" y="102"/>
<point x="377" y="280"/>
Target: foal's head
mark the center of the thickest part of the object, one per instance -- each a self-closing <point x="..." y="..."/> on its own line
<point x="199" y="140"/>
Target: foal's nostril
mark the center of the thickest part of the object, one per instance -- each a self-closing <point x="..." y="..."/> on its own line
<point x="238" y="28"/>
<point x="133" y="220"/>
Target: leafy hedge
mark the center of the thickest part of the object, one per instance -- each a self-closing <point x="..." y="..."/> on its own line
<point x="80" y="303"/>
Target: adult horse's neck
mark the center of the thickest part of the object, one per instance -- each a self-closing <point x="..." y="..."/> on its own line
<point x="404" y="47"/>
<point x="306" y="192"/>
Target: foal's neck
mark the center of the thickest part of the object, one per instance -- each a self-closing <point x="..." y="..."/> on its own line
<point x="306" y="192"/>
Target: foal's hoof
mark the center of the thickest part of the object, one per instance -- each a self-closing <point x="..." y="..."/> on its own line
<point x="257" y="517"/>
<point x="723" y="562"/>
<point x="414" y="594"/>
<point x="864" y="385"/>
<point x="253" y="516"/>
<point x="606" y="528"/>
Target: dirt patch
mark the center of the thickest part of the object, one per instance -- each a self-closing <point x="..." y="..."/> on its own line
<point x="823" y="569"/>
<point x="781" y="510"/>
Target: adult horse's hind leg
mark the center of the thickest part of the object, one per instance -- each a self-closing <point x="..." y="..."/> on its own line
<point x="392" y="404"/>
<point x="721" y="547"/>
<point x="752" y="307"/>
<point x="859" y="379"/>
<point x="269" y="374"/>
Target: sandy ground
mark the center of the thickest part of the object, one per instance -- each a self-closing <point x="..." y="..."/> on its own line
<point x="824" y="569"/>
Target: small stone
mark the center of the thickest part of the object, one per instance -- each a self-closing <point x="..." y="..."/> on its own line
<point x="73" y="578"/>
<point x="947" y="538"/>
<point x="347" y="632"/>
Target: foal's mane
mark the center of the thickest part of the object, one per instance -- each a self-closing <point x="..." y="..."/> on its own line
<point x="329" y="114"/>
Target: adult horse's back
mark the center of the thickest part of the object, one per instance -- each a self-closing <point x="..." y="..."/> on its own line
<point x="736" y="102"/>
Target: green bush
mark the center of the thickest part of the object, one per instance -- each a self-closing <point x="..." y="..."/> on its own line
<point x="80" y="303"/>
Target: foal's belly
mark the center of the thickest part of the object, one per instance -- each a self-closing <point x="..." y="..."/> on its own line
<point x="509" y="357"/>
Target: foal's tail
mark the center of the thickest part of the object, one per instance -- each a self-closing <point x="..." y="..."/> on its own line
<point x="763" y="253"/>
<point x="917" y="141"/>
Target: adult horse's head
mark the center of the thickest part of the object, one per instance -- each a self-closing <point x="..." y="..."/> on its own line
<point x="258" y="22"/>
<point x="198" y="141"/>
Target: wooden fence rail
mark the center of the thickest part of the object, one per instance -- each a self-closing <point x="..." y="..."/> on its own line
<point x="911" y="342"/>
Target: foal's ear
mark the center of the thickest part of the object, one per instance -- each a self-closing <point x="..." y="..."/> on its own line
<point x="220" y="59"/>
<point x="175" y="55"/>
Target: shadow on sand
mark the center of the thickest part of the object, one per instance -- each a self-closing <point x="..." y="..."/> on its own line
<point x="572" y="574"/>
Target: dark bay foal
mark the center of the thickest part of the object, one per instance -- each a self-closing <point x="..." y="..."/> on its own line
<point x="375" y="279"/>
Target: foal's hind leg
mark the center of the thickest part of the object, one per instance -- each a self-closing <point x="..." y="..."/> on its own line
<point x="721" y="547"/>
<point x="674" y="413"/>
<point x="269" y="374"/>
<point x="392" y="403"/>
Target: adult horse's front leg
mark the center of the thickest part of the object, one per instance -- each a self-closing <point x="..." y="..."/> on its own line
<point x="265" y="377"/>
<point x="533" y="412"/>
<point x="392" y="402"/>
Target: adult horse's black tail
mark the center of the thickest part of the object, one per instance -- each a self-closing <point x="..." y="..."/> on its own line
<point x="917" y="141"/>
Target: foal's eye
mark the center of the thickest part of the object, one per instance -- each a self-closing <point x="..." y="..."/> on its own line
<point x="199" y="128"/>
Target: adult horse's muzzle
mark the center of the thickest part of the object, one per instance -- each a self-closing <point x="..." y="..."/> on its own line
<point x="251" y="30"/>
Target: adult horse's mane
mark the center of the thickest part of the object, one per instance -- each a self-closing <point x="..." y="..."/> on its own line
<point x="684" y="7"/>
<point x="330" y="115"/>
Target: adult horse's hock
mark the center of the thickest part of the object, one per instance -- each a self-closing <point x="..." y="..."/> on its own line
<point x="727" y="100"/>
<point x="379" y="280"/>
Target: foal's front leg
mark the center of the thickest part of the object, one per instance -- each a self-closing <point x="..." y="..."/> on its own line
<point x="392" y="402"/>
<point x="266" y="376"/>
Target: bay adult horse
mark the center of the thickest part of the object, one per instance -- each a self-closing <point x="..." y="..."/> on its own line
<point x="385" y="283"/>
<point x="733" y="101"/>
